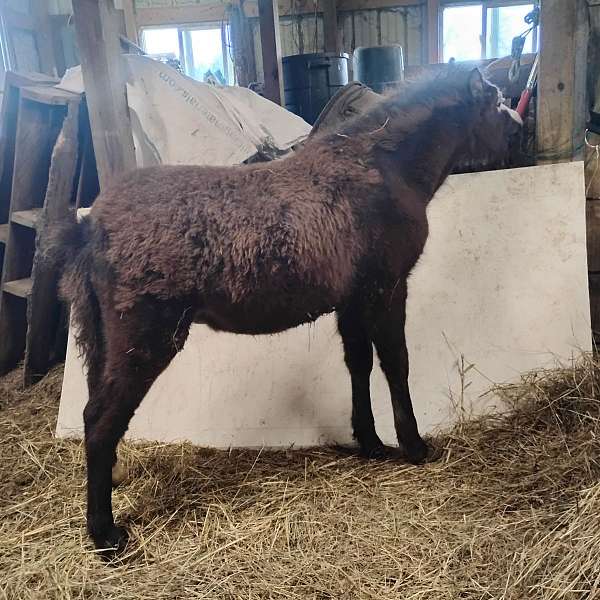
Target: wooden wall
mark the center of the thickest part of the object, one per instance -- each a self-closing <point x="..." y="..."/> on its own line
<point x="402" y="25"/>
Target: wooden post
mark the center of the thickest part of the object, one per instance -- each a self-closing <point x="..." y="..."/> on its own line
<point x="268" y="16"/>
<point x="131" y="30"/>
<point x="243" y="45"/>
<point x="331" y="32"/>
<point x="561" y="110"/>
<point x="98" y="27"/>
<point x="43" y="37"/>
<point x="433" y="30"/>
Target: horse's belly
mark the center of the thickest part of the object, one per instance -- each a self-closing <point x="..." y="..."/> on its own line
<point x="255" y="317"/>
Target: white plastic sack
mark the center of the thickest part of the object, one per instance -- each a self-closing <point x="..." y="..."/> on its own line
<point x="177" y="120"/>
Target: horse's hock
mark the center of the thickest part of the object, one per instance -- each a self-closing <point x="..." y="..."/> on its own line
<point x="502" y="285"/>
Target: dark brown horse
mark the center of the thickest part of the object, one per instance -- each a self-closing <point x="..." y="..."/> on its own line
<point x="262" y="248"/>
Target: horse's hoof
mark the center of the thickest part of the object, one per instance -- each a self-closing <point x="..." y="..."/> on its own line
<point x="112" y="542"/>
<point x="380" y="452"/>
<point x="417" y="452"/>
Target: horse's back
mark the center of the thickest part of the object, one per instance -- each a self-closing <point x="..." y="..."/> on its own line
<point x="229" y="232"/>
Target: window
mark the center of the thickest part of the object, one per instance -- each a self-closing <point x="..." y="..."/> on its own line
<point x="201" y="52"/>
<point x="475" y="30"/>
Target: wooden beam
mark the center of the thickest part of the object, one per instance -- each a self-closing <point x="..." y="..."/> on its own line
<point x="242" y="42"/>
<point x="217" y="11"/>
<point x="98" y="28"/>
<point x="43" y="37"/>
<point x="268" y="15"/>
<point x="433" y="31"/>
<point x="333" y="42"/>
<point x="561" y="113"/>
<point x="131" y="26"/>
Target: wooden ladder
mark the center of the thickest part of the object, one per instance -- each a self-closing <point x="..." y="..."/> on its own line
<point x="48" y="168"/>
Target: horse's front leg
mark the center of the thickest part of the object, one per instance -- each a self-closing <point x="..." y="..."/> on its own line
<point x="390" y="342"/>
<point x="358" y="356"/>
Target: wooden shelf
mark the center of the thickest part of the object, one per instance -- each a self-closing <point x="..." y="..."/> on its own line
<point x="19" y="287"/>
<point x="27" y="218"/>
<point x="49" y="95"/>
<point x="3" y="233"/>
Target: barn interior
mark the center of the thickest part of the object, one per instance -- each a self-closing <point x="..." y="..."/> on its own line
<point x="237" y="477"/>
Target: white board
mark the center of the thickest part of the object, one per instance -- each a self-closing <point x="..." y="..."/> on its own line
<point x="502" y="282"/>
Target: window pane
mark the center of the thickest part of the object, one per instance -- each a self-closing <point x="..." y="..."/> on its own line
<point x="503" y="24"/>
<point x="162" y="42"/>
<point x="461" y="30"/>
<point x="204" y="55"/>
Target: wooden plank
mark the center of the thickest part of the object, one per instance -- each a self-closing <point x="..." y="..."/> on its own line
<point x="27" y="218"/>
<point x="181" y="15"/>
<point x="242" y="40"/>
<point x="592" y="213"/>
<point x="562" y="80"/>
<point x="3" y="233"/>
<point x="592" y="167"/>
<point x="43" y="37"/>
<point x="18" y="258"/>
<point x="594" y="287"/>
<point x="333" y="41"/>
<point x="37" y="130"/>
<point x="20" y="287"/>
<point x="268" y="15"/>
<point x="217" y="11"/>
<point x="49" y="95"/>
<point x="433" y="30"/>
<point x="131" y="27"/>
<point x="97" y="24"/>
<point x="44" y="308"/>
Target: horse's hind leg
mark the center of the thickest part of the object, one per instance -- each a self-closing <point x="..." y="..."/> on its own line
<point x="138" y="346"/>
<point x="358" y="355"/>
<point x="390" y="342"/>
<point x="95" y="360"/>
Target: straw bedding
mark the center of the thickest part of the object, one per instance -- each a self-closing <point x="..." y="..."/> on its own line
<point x="511" y="511"/>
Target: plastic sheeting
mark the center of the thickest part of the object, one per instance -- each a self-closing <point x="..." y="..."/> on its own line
<point x="177" y="120"/>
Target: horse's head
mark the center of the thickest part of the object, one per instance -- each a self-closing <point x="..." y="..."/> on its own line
<point x="494" y="131"/>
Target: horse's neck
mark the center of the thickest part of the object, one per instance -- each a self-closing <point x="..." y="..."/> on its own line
<point x="427" y="158"/>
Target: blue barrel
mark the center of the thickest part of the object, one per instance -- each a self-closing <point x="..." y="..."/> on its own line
<point x="310" y="80"/>
<point x="379" y="67"/>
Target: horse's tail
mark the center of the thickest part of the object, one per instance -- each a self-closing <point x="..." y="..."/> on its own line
<point x="66" y="249"/>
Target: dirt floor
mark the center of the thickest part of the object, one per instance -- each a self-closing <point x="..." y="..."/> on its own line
<point x="511" y="511"/>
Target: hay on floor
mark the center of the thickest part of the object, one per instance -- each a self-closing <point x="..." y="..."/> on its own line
<point x="512" y="510"/>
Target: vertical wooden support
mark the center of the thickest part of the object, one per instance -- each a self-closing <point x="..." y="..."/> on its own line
<point x="43" y="37"/>
<point x="131" y="29"/>
<point x="242" y="40"/>
<point x="268" y="16"/>
<point x="561" y="110"/>
<point x="333" y="42"/>
<point x="592" y="175"/>
<point x="98" y="27"/>
<point x="433" y="30"/>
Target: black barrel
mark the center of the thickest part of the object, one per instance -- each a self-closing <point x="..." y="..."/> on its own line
<point x="310" y="80"/>
<point x="379" y="67"/>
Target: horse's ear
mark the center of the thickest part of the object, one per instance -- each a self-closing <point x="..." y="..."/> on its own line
<point x="476" y="84"/>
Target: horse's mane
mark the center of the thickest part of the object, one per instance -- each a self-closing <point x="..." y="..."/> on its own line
<point x="403" y="110"/>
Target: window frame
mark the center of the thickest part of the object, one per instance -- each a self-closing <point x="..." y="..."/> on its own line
<point x="184" y="30"/>
<point x="485" y="5"/>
